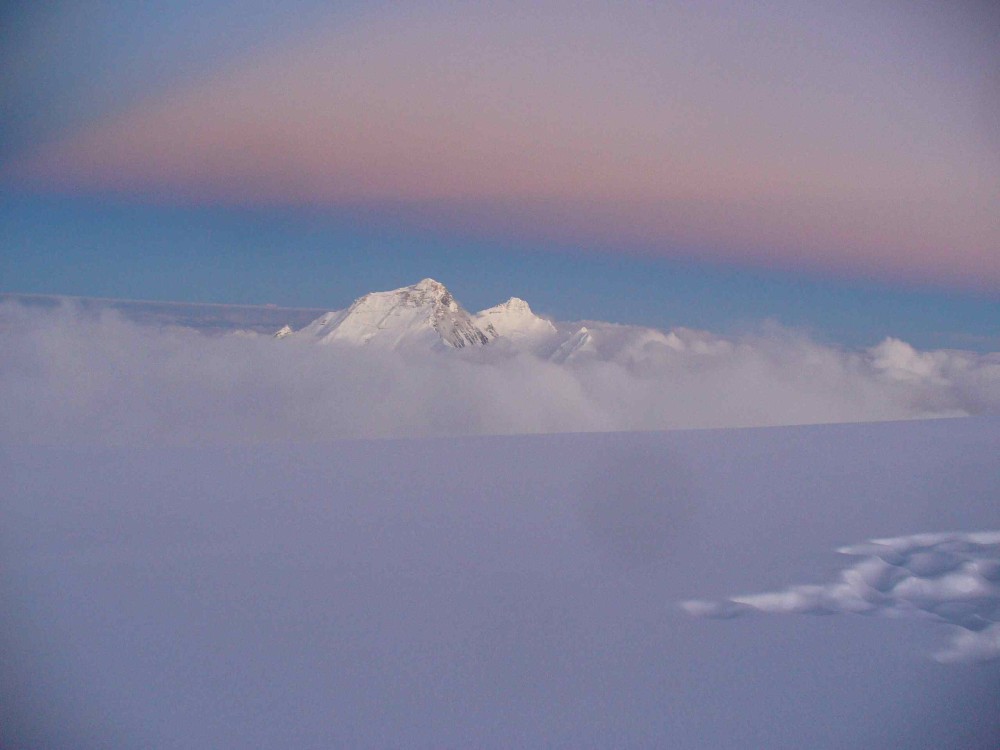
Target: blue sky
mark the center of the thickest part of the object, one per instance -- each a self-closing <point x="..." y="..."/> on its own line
<point x="305" y="258"/>
<point x="358" y="148"/>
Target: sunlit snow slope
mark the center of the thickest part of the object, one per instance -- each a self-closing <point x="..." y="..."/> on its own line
<point x="424" y="313"/>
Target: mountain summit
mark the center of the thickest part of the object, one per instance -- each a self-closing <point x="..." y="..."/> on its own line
<point x="425" y="312"/>
<point x="427" y="316"/>
<point x="514" y="320"/>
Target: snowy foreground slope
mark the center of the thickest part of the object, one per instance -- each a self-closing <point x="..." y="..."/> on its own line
<point x="483" y="592"/>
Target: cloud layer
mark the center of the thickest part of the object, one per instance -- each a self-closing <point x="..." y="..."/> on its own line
<point x="951" y="578"/>
<point x="73" y="376"/>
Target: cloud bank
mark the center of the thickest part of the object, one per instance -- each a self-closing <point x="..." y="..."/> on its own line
<point x="951" y="578"/>
<point x="73" y="376"/>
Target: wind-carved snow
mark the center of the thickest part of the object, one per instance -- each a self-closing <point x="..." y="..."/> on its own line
<point x="425" y="312"/>
<point x="950" y="578"/>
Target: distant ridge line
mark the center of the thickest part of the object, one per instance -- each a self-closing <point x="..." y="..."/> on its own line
<point x="172" y="303"/>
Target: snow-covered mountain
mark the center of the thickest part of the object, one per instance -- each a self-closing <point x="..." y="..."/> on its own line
<point x="513" y="323"/>
<point x="514" y="319"/>
<point x="426" y="316"/>
<point x="424" y="313"/>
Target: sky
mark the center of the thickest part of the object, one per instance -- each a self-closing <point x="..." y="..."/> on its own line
<point x="831" y="166"/>
<point x="319" y="545"/>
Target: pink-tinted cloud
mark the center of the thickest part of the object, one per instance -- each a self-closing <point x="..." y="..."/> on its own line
<point x="776" y="136"/>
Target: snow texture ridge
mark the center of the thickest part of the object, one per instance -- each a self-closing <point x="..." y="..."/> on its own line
<point x="950" y="578"/>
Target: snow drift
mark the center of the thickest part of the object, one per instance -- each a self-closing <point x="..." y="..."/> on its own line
<point x="950" y="578"/>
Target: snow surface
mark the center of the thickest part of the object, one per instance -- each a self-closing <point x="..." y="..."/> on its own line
<point x="489" y="592"/>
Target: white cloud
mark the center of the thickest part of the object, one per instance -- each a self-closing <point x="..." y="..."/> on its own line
<point x="951" y="578"/>
<point x="67" y="375"/>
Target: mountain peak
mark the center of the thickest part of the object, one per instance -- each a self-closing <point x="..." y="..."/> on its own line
<point x="516" y="304"/>
<point x="424" y="292"/>
<point x="425" y="310"/>
<point x="429" y="285"/>
<point x="514" y="319"/>
<point x="513" y="306"/>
